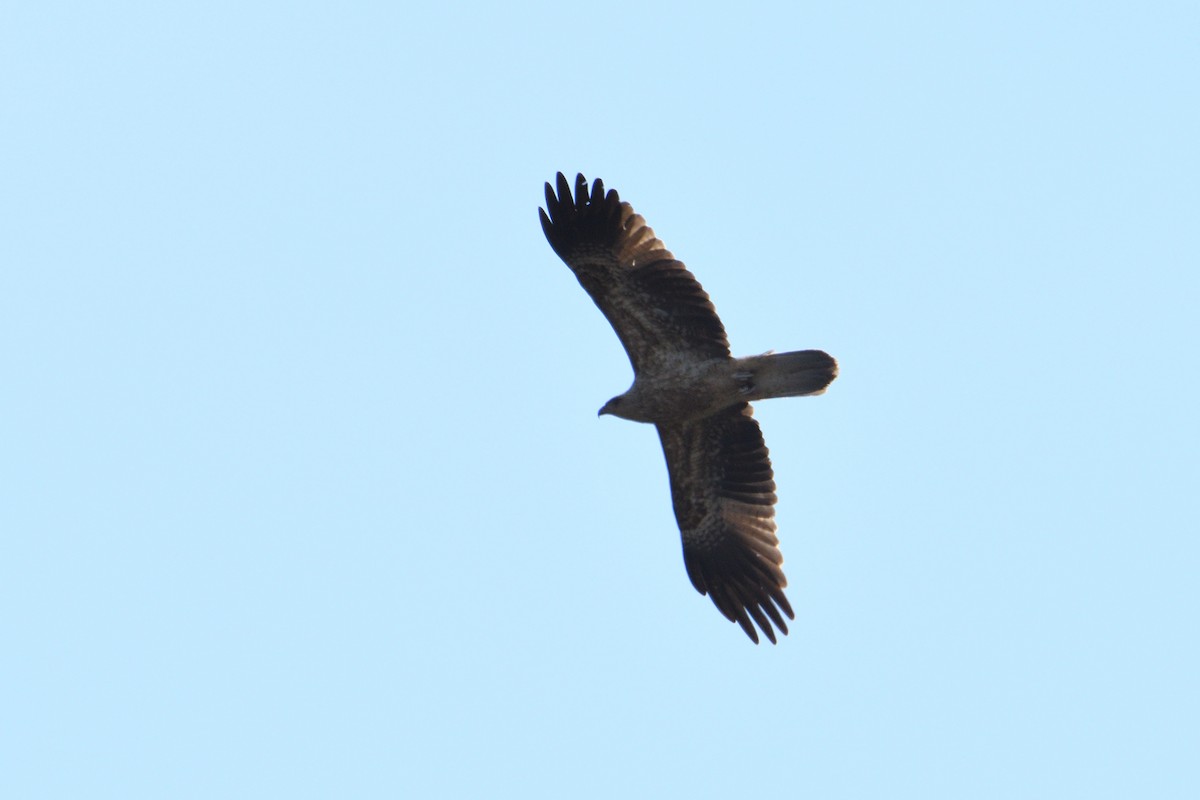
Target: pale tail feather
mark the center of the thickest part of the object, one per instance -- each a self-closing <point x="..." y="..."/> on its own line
<point x="800" y="373"/>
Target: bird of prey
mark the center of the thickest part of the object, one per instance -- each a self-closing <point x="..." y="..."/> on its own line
<point x="694" y="392"/>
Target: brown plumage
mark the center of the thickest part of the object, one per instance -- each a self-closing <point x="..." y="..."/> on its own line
<point x="698" y="396"/>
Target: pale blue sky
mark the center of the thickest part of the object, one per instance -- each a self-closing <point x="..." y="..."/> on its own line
<point x="302" y="488"/>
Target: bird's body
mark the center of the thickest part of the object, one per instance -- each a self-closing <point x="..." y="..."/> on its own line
<point x="690" y="390"/>
<point x="696" y="394"/>
<point x="677" y="392"/>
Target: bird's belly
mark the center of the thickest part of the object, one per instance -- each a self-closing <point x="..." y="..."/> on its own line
<point x="688" y="396"/>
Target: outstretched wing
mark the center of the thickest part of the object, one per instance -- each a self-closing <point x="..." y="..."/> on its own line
<point x="723" y="490"/>
<point x="658" y="309"/>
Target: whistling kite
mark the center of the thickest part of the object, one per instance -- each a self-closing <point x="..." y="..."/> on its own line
<point x="696" y="394"/>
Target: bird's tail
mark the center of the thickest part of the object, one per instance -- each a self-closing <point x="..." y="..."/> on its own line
<point x="796" y="374"/>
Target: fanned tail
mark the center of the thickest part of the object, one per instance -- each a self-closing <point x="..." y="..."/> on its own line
<point x="797" y="374"/>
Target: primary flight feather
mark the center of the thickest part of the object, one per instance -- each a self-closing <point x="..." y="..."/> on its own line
<point x="694" y="392"/>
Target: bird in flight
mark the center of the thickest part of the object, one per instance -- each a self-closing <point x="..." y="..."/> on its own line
<point x="688" y="385"/>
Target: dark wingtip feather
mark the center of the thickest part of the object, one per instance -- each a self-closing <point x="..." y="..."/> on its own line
<point x="581" y="216"/>
<point x="759" y="618"/>
<point x="597" y="191"/>
<point x="581" y="191"/>
<point x="773" y="612"/>
<point x="783" y="603"/>
<point x="741" y="595"/>
<point x="744" y="621"/>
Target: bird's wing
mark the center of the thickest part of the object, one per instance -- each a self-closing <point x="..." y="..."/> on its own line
<point x="658" y="309"/>
<point x="723" y="490"/>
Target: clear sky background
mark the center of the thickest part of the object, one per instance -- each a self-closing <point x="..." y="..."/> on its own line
<point x="302" y="489"/>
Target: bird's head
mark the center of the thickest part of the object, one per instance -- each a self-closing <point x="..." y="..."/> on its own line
<point x="610" y="407"/>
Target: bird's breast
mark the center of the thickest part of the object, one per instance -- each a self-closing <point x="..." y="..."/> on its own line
<point x="685" y="394"/>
